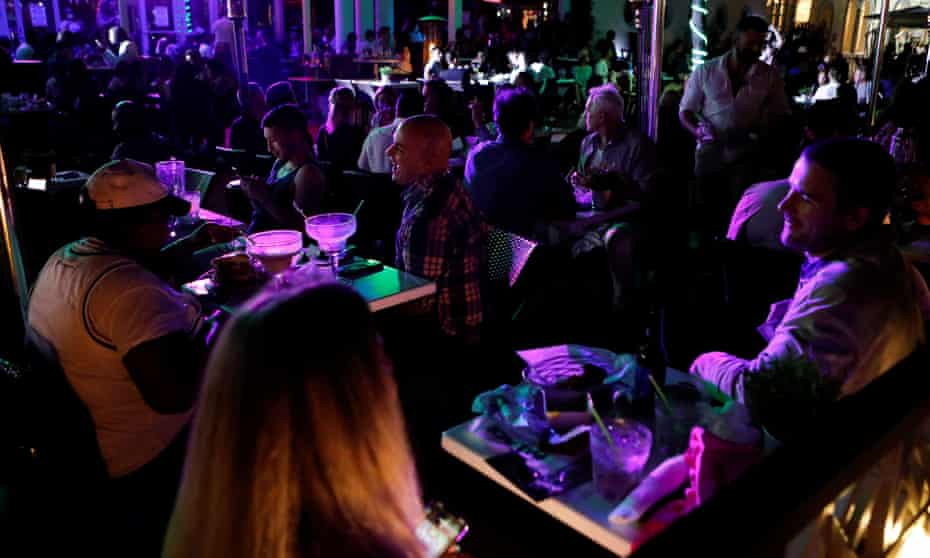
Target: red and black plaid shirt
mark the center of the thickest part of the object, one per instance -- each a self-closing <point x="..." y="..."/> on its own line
<point x="443" y="237"/>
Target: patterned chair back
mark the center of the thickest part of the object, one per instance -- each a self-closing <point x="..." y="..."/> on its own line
<point x="507" y="255"/>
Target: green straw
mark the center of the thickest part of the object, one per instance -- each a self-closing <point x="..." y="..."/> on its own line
<point x="360" y="204"/>
<point x="600" y="423"/>
<point x="661" y="395"/>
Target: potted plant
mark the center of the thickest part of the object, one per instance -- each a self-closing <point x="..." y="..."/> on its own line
<point x="787" y="395"/>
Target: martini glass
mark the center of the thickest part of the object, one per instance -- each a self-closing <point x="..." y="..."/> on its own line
<point x="331" y="231"/>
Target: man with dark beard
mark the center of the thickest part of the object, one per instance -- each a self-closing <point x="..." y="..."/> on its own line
<point x="731" y="104"/>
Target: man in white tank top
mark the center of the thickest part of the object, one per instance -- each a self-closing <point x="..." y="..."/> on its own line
<point x="123" y="337"/>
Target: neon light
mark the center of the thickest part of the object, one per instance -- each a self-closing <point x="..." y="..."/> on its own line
<point x="697" y="31"/>
<point x="699" y="41"/>
<point x="188" y="19"/>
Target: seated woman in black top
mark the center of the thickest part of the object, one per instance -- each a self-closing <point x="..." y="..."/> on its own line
<point x="294" y="179"/>
<point x="340" y="140"/>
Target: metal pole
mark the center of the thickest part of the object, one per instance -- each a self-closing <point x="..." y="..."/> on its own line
<point x="877" y="67"/>
<point x="655" y="69"/>
<point x="927" y="63"/>
<point x="640" y="69"/>
<point x="144" y="27"/>
<point x="20" y="26"/>
<point x="306" y="9"/>
<point x="277" y="13"/>
<point x="235" y="11"/>
<point x="124" y="15"/>
<point x="10" y="242"/>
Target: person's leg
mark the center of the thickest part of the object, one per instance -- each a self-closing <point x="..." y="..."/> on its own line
<point x="621" y="241"/>
<point x="143" y="501"/>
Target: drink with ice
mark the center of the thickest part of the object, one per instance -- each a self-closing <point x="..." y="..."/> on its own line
<point x="618" y="467"/>
<point x="332" y="232"/>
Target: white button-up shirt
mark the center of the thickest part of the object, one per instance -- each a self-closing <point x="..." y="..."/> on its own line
<point x="709" y="94"/>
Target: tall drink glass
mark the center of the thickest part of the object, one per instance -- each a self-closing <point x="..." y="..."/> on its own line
<point x="618" y="467"/>
<point x="331" y="231"/>
<point x="171" y="174"/>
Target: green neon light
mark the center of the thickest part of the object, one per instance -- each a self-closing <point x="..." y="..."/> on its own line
<point x="697" y="32"/>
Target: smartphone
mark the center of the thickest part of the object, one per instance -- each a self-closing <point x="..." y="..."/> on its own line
<point x="440" y="530"/>
<point x="37" y="184"/>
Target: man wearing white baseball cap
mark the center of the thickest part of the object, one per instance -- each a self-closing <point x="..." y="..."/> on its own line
<point x="128" y="343"/>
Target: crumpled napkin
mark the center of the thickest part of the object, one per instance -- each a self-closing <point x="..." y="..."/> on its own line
<point x="519" y="410"/>
<point x="569" y="360"/>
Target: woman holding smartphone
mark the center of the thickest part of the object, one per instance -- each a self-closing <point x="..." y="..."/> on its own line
<point x="295" y="179"/>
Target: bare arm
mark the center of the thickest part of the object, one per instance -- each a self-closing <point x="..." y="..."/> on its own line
<point x="690" y="122"/>
<point x="167" y="371"/>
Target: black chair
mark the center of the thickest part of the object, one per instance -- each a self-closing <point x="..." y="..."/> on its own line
<point x="751" y="279"/>
<point x="62" y="432"/>
<point x="379" y="216"/>
<point x="61" y="492"/>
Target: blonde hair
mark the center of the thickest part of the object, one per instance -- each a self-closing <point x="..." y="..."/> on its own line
<point x="298" y="447"/>
<point x="341" y="108"/>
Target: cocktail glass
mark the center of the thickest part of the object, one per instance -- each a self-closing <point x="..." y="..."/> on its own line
<point x="618" y="467"/>
<point x="331" y="231"/>
<point x="275" y="249"/>
<point x="171" y="174"/>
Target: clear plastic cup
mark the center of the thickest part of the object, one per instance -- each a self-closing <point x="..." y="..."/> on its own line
<point x="617" y="468"/>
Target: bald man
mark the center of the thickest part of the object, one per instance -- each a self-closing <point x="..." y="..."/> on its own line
<point x="442" y="236"/>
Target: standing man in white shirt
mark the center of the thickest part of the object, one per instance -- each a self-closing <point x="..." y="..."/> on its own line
<point x="373" y="157"/>
<point x="731" y="103"/>
<point x="128" y="344"/>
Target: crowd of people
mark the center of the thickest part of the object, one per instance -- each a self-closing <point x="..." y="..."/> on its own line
<point x="287" y="451"/>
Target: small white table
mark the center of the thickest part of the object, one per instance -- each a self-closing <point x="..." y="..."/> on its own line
<point x="371" y="86"/>
<point x="580" y="508"/>
<point x="391" y="287"/>
<point x="383" y="289"/>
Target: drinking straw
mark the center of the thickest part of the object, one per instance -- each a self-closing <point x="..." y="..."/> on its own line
<point x="600" y="423"/>
<point x="661" y="395"/>
<point x="299" y="210"/>
<point x="360" y="204"/>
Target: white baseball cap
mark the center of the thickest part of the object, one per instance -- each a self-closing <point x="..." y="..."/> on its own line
<point x="129" y="183"/>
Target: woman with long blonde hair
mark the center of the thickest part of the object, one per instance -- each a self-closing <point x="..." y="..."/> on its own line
<point x="340" y="139"/>
<point x="298" y="447"/>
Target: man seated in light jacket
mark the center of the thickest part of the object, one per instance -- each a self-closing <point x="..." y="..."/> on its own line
<point x="859" y="307"/>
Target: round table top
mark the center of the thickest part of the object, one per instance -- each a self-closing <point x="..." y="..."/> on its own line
<point x="379" y="60"/>
<point x="309" y="79"/>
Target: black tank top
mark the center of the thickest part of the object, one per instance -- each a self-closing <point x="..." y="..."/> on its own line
<point x="282" y="195"/>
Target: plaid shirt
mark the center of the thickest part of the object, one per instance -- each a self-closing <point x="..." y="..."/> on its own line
<point x="443" y="237"/>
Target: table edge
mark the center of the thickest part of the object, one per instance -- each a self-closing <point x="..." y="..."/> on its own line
<point x="568" y="516"/>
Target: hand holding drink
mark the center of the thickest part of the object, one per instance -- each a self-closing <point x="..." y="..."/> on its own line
<point x="705" y="132"/>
